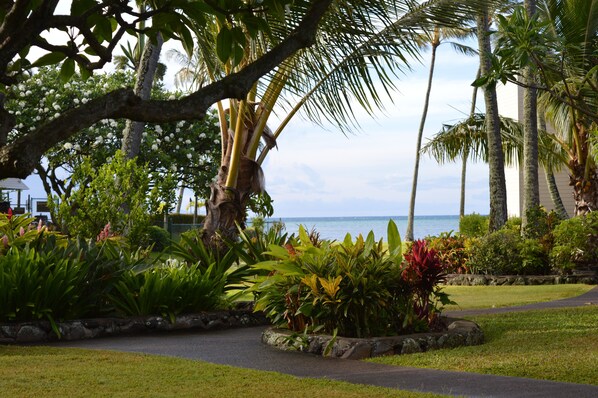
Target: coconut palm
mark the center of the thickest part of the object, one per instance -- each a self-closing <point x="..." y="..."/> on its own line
<point x="531" y="190"/>
<point x="562" y="44"/>
<point x="358" y="52"/>
<point x="498" y="190"/>
<point x="439" y="36"/>
<point x="469" y="137"/>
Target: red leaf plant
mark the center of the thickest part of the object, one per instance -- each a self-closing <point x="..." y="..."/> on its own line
<point x="423" y="272"/>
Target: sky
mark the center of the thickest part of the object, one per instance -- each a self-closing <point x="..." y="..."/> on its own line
<point x="319" y="172"/>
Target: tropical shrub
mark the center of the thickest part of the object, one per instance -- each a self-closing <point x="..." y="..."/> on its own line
<point x="423" y="272"/>
<point x="56" y="280"/>
<point x="451" y="250"/>
<point x="21" y="230"/>
<point x="168" y="289"/>
<point x="117" y="193"/>
<point x="497" y="253"/>
<point x="575" y="243"/>
<point x="158" y="238"/>
<point x="349" y="288"/>
<point x="193" y="251"/>
<point x="473" y="225"/>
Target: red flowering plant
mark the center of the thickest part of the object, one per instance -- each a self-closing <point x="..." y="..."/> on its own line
<point x="21" y="230"/>
<point x="423" y="273"/>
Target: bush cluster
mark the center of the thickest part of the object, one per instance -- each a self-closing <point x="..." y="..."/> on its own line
<point x="351" y="288"/>
<point x="546" y="245"/>
<point x="47" y="276"/>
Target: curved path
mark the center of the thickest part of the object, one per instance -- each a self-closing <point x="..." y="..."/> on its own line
<point x="242" y="347"/>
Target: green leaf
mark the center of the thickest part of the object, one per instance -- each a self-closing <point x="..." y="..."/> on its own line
<point x="224" y="44"/>
<point x="67" y="70"/>
<point x="49" y="59"/>
<point x="78" y="7"/>
<point x="103" y="29"/>
<point x="394" y="239"/>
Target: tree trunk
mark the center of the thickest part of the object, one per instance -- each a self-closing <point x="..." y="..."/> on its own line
<point x="498" y="191"/>
<point x="226" y="207"/>
<point x="585" y="188"/>
<point x="553" y="189"/>
<point x="555" y="196"/>
<point x="531" y="190"/>
<point x="474" y="100"/>
<point x="420" y="133"/>
<point x="180" y="199"/>
<point x="143" y="88"/>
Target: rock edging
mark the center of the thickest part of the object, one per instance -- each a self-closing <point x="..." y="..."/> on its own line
<point x="41" y="331"/>
<point x="503" y="280"/>
<point x="459" y="333"/>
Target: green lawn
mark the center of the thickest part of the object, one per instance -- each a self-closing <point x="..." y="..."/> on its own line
<point x="560" y="345"/>
<point x="68" y="372"/>
<point x="473" y="297"/>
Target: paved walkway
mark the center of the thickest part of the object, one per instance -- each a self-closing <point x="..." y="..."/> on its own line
<point x="242" y="347"/>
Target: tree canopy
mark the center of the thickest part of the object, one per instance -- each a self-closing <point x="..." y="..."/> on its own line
<point x="94" y="28"/>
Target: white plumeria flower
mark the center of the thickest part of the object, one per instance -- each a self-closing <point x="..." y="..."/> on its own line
<point x="216" y="141"/>
<point x="189" y="156"/>
<point x="56" y="115"/>
<point x="154" y="147"/>
<point x="167" y="139"/>
<point x="56" y="107"/>
<point x="77" y="147"/>
<point x="28" y="92"/>
<point x="76" y="101"/>
<point x="177" y="147"/>
<point x="158" y="129"/>
<point x="188" y="142"/>
<point x="202" y="135"/>
<point x="109" y="135"/>
<point x="84" y="100"/>
<point x="171" y="97"/>
<point x="144" y="134"/>
<point x="180" y="124"/>
<point x="68" y="146"/>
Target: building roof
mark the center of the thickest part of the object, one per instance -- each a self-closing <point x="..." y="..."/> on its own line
<point x="13" y="184"/>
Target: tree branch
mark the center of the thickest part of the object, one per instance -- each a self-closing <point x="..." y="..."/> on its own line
<point x="19" y="158"/>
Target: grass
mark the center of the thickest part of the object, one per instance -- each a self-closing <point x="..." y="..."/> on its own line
<point x="69" y="372"/>
<point x="474" y="297"/>
<point x="559" y="345"/>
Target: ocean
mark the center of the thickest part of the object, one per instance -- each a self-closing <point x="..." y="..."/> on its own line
<point x="338" y="227"/>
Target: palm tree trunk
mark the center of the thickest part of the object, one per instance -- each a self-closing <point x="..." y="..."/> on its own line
<point x="498" y="191"/>
<point x="420" y="133"/>
<point x="474" y="100"/>
<point x="143" y="88"/>
<point x="531" y="190"/>
<point x="553" y="189"/>
<point x="555" y="196"/>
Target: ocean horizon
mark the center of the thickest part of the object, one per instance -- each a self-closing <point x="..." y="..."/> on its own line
<point x="337" y="227"/>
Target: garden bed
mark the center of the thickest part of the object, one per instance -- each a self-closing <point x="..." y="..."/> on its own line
<point x="458" y="333"/>
<point x="34" y="332"/>
<point x="589" y="278"/>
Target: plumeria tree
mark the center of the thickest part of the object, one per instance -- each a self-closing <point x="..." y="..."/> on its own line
<point x="186" y="152"/>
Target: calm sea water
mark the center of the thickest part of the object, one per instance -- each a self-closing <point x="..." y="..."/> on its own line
<point x="338" y="227"/>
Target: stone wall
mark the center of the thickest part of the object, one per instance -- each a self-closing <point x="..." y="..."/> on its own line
<point x="482" y="280"/>
<point x="459" y="333"/>
<point x="33" y="332"/>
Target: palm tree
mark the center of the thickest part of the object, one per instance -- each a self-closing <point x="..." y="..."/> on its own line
<point x="562" y="44"/>
<point x="359" y="50"/>
<point x="438" y="36"/>
<point x="531" y="190"/>
<point x="498" y="190"/>
<point x="469" y="137"/>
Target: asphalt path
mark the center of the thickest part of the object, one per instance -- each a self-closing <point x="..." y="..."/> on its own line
<point x="243" y="348"/>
